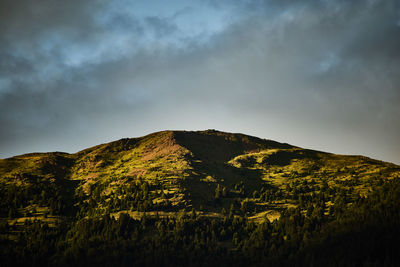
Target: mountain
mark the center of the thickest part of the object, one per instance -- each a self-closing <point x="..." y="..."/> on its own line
<point x="210" y="174"/>
<point x="181" y="169"/>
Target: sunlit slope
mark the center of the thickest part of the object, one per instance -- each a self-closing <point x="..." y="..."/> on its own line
<point x="155" y="158"/>
<point x="212" y="171"/>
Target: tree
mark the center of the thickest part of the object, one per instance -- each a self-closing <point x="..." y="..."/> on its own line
<point x="218" y="191"/>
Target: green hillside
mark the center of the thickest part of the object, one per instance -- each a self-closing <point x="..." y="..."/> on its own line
<point x="171" y="170"/>
<point x="223" y="179"/>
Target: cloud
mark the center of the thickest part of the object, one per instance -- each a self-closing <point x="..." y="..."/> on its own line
<point x="321" y="74"/>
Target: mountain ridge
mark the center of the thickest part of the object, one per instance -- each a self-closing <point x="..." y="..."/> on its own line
<point x="29" y="154"/>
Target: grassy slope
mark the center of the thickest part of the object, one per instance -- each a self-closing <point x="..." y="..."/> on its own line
<point x="183" y="170"/>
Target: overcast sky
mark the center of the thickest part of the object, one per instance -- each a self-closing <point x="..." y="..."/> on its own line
<point x="317" y="74"/>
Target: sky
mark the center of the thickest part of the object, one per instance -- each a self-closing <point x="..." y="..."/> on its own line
<point x="319" y="74"/>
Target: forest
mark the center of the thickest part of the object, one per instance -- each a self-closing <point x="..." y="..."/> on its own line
<point x="365" y="233"/>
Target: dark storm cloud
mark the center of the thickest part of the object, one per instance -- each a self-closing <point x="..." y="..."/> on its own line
<point x="321" y="74"/>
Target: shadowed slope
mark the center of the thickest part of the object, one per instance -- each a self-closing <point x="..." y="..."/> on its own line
<point x="215" y="146"/>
